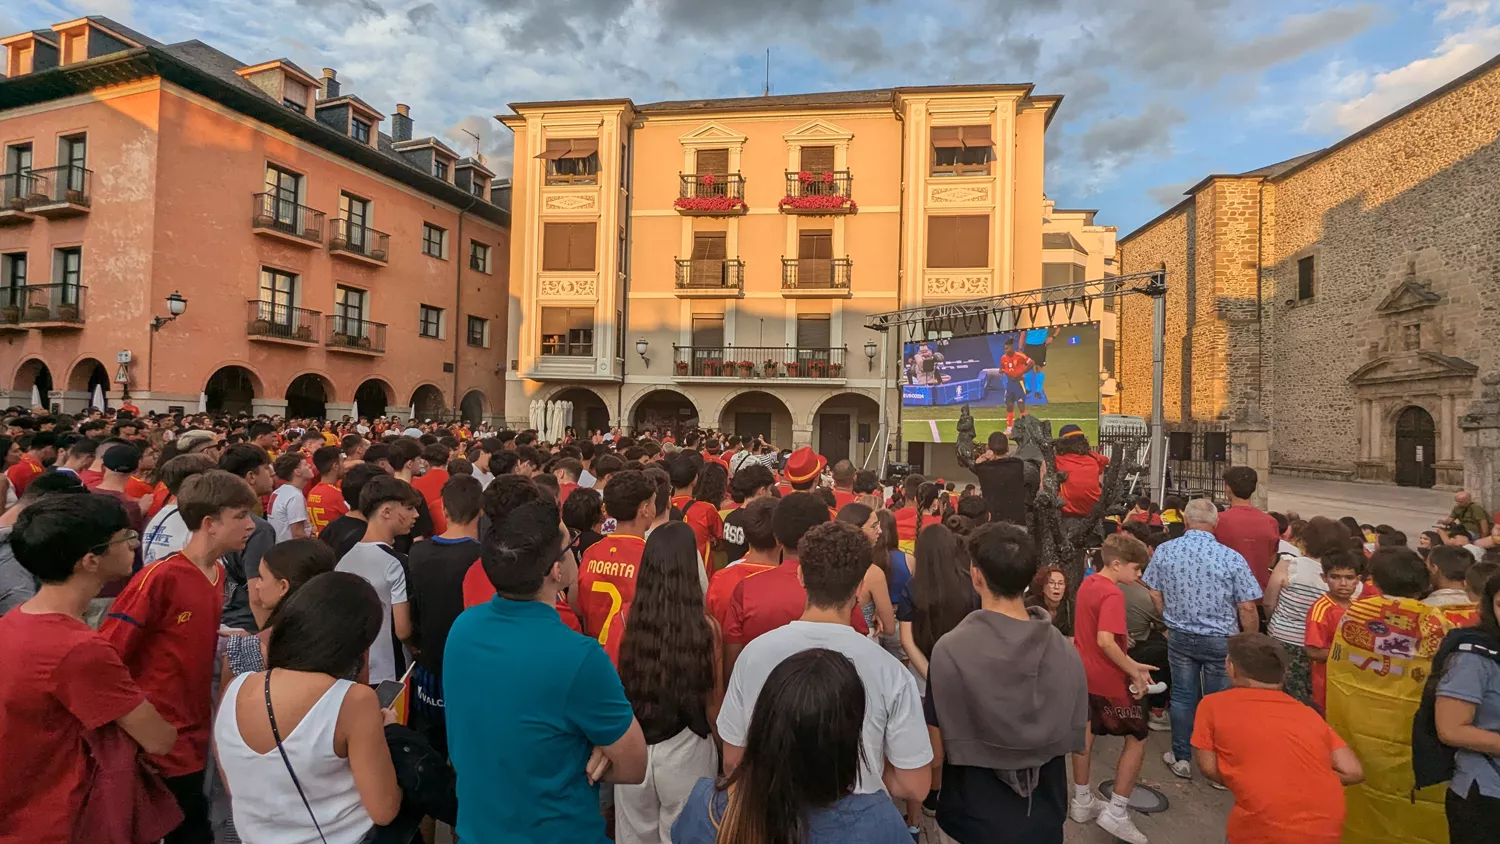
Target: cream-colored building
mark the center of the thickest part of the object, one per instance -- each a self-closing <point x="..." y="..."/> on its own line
<point x="1075" y="249"/>
<point x="714" y="262"/>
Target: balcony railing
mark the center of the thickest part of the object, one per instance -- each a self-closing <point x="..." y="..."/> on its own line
<point x="59" y="191"/>
<point x="281" y="215"/>
<point x="278" y="321"/>
<point x="360" y="241"/>
<point x="352" y="334"/>
<point x="710" y="274"/>
<point x="42" y="303"/>
<point x="710" y="194"/>
<point x="14" y="190"/>
<point x="827" y="274"/>
<point x="829" y="192"/>
<point x="757" y="362"/>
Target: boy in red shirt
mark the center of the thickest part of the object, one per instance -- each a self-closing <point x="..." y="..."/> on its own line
<point x="1117" y="685"/>
<point x="430" y="483"/>
<point x="701" y="516"/>
<point x="608" y="570"/>
<point x="165" y="625"/>
<point x="1341" y="573"/>
<point x="1014" y="365"/>
<point x="754" y="523"/>
<point x="1284" y="765"/>
<point x="59" y="682"/>
<point x="325" y="501"/>
<point x="37" y="451"/>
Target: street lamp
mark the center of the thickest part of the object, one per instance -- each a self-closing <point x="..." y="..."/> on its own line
<point x="176" y="306"/>
<point x="640" y="349"/>
<point x="870" y="350"/>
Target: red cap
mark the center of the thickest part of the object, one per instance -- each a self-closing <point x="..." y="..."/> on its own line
<point x="803" y="465"/>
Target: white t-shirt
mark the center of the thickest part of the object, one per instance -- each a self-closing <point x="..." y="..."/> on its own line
<point x="165" y="535"/>
<point x="288" y="507"/>
<point x="894" y="727"/>
<point x="379" y="565"/>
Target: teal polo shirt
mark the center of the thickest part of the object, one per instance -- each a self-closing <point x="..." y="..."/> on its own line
<point x="527" y="701"/>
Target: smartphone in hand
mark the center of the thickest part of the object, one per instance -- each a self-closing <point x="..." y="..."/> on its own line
<point x="389" y="690"/>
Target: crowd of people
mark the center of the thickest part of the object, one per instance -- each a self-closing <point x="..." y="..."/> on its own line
<point x="269" y="630"/>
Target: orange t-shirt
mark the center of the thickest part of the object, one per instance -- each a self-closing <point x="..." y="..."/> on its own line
<point x="325" y="502"/>
<point x="606" y="587"/>
<point x="1014" y="364"/>
<point x="1274" y="755"/>
<point x="136" y="488"/>
<point x="430" y="485"/>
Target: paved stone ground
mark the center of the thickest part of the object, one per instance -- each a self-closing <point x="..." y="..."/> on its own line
<point x="1407" y="509"/>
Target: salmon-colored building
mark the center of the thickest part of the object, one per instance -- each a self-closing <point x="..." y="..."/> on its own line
<point x="322" y="261"/>
<point x="715" y="262"/>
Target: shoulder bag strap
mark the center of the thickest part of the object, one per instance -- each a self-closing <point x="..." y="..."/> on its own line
<point x="276" y="734"/>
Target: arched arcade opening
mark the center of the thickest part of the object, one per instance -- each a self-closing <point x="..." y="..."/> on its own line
<point x="307" y="397"/>
<point x="663" y="411"/>
<point x="231" y="390"/>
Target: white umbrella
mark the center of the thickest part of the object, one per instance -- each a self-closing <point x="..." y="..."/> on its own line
<point x="203" y="402"/>
<point x="36" y="397"/>
<point x="354" y="410"/>
<point x="98" y="403"/>
<point x="413" y="421"/>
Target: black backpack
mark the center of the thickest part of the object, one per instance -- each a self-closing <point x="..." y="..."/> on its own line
<point x="1432" y="761"/>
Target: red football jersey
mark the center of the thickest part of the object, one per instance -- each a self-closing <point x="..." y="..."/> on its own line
<point x="606" y="586"/>
<point x="1014" y="364"/>
<point x="721" y="587"/>
<point x="165" y="624"/>
<point x="706" y="523"/>
<point x="325" y="502"/>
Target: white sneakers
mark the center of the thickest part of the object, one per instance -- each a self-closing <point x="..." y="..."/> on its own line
<point x="1181" y="767"/>
<point x="1084" y="812"/>
<point x="1120" y="826"/>
<point x="1159" y="723"/>
<point x="1102" y="813"/>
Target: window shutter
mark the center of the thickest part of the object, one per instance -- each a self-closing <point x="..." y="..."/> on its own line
<point x="941" y="237"/>
<point x="817" y="159"/>
<point x="555" y="246"/>
<point x="947" y="136"/>
<point x="715" y="161"/>
<point x="814" y="332"/>
<point x="556" y="148"/>
<point x="554" y="320"/>
<point x="708" y="332"/>
<point x="977" y="136"/>
<point x="709" y="247"/>
<point x="581" y="246"/>
<point x="581" y="148"/>
<point x="815" y="244"/>
<point x="973" y="246"/>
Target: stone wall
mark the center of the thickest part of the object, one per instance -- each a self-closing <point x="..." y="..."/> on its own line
<point x="1162" y="244"/>
<point x="1415" y="198"/>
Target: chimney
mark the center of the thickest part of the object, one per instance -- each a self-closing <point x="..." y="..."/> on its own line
<point x="330" y="83"/>
<point x="401" y="124"/>
<point x="500" y="193"/>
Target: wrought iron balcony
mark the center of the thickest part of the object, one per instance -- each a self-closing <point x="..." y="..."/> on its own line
<point x="280" y="322"/>
<point x="15" y="188"/>
<point x="829" y="192"/>
<point x="359" y="242"/>
<point x="59" y="191"/>
<point x="825" y="276"/>
<point x="281" y="217"/>
<point x="710" y="194"/>
<point x="42" y="306"/>
<point x="350" y="334"/>
<point x="758" y="362"/>
<point x="710" y="276"/>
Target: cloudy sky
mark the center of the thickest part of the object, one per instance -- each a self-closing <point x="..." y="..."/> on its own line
<point x="1158" y="93"/>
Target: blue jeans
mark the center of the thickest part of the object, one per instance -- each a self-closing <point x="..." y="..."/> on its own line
<point x="1197" y="664"/>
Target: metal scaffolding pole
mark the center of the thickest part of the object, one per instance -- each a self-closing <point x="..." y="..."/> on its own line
<point x="1158" y="291"/>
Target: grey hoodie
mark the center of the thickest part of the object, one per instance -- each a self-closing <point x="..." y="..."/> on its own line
<point x="16" y="583"/>
<point x="1010" y="695"/>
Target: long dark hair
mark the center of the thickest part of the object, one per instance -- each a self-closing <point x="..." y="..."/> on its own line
<point x="667" y="650"/>
<point x="802" y="751"/>
<point x="297" y="561"/>
<point x="326" y="626"/>
<point x="927" y="493"/>
<point x="941" y="591"/>
<point x="1488" y="622"/>
<point x="713" y="484"/>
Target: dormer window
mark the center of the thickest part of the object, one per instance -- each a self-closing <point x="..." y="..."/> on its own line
<point x="479" y="188"/>
<point x="359" y="130"/>
<point x="294" y="96"/>
<point x="440" y="169"/>
<point x="572" y="161"/>
<point x="962" y="150"/>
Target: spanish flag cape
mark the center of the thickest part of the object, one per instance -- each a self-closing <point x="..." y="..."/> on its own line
<point x="1381" y="657"/>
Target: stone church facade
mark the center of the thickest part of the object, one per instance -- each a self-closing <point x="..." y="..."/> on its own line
<point x="1345" y="302"/>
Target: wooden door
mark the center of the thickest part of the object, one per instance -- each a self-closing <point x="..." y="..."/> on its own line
<point x="1416" y="447"/>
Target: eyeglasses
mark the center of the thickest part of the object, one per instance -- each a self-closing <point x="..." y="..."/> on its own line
<point x="131" y="538"/>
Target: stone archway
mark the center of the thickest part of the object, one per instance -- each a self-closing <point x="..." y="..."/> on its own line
<point x="758" y="413"/>
<point x="87" y="375"/>
<point x="590" y="412"/>
<point x="429" y="402"/>
<point x="32" y="372"/>
<point x="307" y="396"/>
<point x="662" y="411"/>
<point x="231" y="390"/>
<point x="373" y="398"/>
<point x="472" y="408"/>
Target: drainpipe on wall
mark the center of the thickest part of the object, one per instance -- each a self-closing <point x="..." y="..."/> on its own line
<point x="458" y="299"/>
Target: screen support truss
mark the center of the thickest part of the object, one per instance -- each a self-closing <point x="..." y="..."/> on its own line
<point x="1060" y="305"/>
